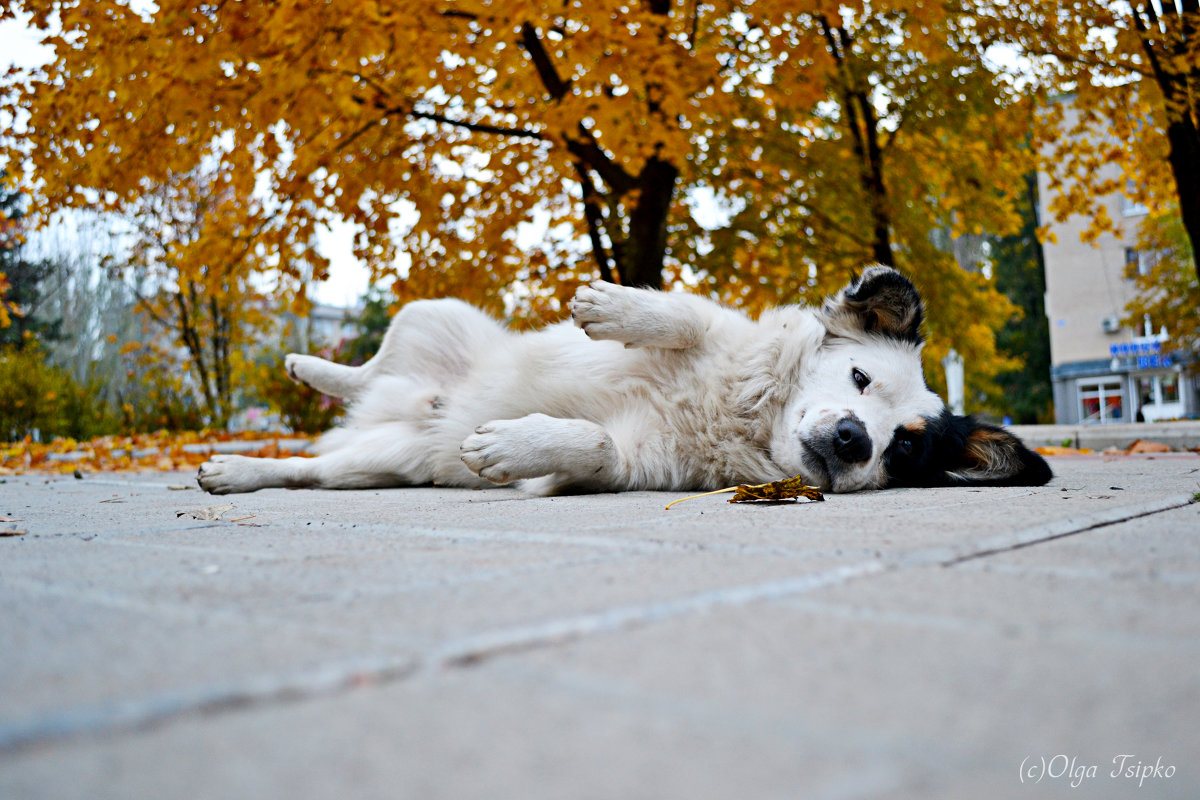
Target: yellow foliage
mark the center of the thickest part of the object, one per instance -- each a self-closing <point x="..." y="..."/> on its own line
<point x="1119" y="112"/>
<point x="162" y="450"/>
<point x="5" y="319"/>
<point x="440" y="128"/>
<point x="1168" y="293"/>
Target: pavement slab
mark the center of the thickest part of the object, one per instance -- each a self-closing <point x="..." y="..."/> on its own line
<point x="992" y="642"/>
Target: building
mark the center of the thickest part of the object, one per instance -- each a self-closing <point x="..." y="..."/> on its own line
<point x="1102" y="371"/>
<point x="330" y="325"/>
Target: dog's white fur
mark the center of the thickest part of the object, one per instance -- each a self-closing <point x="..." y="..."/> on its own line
<point x="673" y="392"/>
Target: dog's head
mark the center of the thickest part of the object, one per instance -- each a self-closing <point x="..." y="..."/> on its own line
<point x="863" y="416"/>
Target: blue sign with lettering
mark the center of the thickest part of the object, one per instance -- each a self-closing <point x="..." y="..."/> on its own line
<point x="1153" y="362"/>
<point x="1135" y="349"/>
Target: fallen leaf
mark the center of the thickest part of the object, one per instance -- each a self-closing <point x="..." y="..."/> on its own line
<point x="13" y="533"/>
<point x="162" y="450"/>
<point x="1145" y="446"/>
<point x="1054" y="450"/>
<point x="205" y="514"/>
<point x="786" y="489"/>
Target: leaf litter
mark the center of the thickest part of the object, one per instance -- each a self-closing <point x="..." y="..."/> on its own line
<point x="783" y="490"/>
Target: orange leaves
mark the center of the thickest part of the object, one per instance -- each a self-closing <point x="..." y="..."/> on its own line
<point x="1113" y="100"/>
<point x="810" y="183"/>
<point x="774" y="492"/>
<point x="342" y="109"/>
<point x="442" y="128"/>
<point x="5" y="305"/>
<point x="157" y="451"/>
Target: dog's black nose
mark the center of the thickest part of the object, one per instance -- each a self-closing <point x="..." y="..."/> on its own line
<point x="851" y="442"/>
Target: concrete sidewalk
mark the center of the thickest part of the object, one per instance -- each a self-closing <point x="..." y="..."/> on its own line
<point x="432" y="643"/>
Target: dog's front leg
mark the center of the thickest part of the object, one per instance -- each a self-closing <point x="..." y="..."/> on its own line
<point x="641" y="317"/>
<point x="579" y="454"/>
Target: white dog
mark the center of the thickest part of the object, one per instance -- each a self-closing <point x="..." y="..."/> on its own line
<point x="675" y="392"/>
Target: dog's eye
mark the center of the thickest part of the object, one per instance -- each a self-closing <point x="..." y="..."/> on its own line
<point x="905" y="446"/>
<point x="861" y="379"/>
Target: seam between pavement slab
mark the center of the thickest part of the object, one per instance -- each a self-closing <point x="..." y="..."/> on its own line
<point x="339" y="676"/>
<point x="136" y="715"/>
<point x="342" y="675"/>
<point x="1067" y="527"/>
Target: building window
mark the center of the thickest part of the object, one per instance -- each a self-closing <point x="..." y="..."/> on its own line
<point x="1129" y="206"/>
<point x="1101" y="401"/>
<point x="1139" y="262"/>
<point x="1170" y="388"/>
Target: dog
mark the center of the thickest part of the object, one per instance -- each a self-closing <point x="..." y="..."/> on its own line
<point x="647" y="390"/>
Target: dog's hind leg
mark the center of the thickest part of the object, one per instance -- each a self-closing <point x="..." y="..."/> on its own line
<point x="363" y="459"/>
<point x="428" y="338"/>
<point x="233" y="474"/>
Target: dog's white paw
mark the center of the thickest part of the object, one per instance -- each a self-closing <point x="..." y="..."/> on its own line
<point x="228" y="474"/>
<point x="297" y="366"/>
<point x="603" y="310"/>
<point x="503" y="451"/>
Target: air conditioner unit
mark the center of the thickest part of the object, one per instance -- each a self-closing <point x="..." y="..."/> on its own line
<point x="1110" y="324"/>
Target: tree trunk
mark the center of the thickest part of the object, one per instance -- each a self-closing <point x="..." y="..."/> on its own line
<point x="1176" y="79"/>
<point x="863" y="127"/>
<point x="1184" y="139"/>
<point x="646" y="248"/>
<point x="881" y="223"/>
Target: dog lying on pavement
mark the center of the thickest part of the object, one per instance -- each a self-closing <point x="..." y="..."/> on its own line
<point x="646" y="390"/>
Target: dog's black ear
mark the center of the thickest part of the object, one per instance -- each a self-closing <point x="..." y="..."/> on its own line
<point x="880" y="301"/>
<point x="991" y="456"/>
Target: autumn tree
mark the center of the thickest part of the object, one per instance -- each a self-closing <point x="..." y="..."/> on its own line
<point x="833" y="133"/>
<point x="23" y="291"/>
<point x="9" y="241"/>
<point x="478" y="115"/>
<point x="197" y="270"/>
<point x="916" y="143"/>
<point x="1168" y="292"/>
<point x="1130" y="72"/>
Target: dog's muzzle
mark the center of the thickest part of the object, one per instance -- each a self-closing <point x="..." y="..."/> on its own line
<point x="851" y="444"/>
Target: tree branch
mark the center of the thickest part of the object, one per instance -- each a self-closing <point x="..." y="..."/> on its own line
<point x="590" y="153"/>
<point x="477" y="127"/>
<point x="595" y="222"/>
<point x="1164" y="80"/>
<point x="550" y="78"/>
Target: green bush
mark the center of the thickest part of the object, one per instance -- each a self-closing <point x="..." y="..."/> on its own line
<point x="149" y="402"/>
<point x="39" y="398"/>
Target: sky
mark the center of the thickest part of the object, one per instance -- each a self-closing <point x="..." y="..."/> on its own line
<point x="348" y="278"/>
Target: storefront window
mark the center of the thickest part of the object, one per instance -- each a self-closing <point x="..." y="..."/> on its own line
<point x="1102" y="401"/>
<point x="1170" y="388"/>
<point x="1158" y="397"/>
